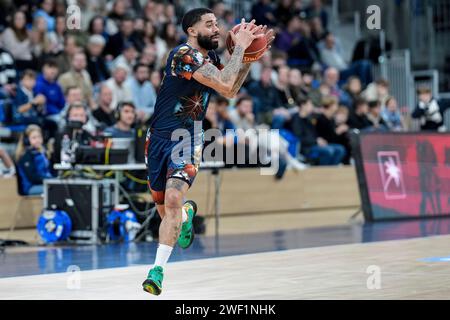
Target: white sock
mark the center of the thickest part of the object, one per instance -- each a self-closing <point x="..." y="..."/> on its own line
<point x="184" y="215"/>
<point x="162" y="255"/>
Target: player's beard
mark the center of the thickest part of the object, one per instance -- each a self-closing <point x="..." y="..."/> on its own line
<point x="207" y="43"/>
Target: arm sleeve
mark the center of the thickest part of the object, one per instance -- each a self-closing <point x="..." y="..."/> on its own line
<point x="186" y="61"/>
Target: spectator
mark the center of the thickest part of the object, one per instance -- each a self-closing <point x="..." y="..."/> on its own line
<point x="116" y="43"/>
<point x="290" y="36"/>
<point x="47" y="85"/>
<point x="265" y="97"/>
<point x="169" y="35"/>
<point x="78" y="77"/>
<point x="97" y="26"/>
<point x="46" y="12"/>
<point x="353" y="89"/>
<point x="331" y="79"/>
<point x="57" y="37"/>
<point x="77" y="117"/>
<point x="329" y="130"/>
<point x="358" y="116"/>
<point x="331" y="54"/>
<point x="16" y="41"/>
<point x="317" y="30"/>
<point x="378" y="90"/>
<point x="392" y="116"/>
<point x="64" y="58"/>
<point x="316" y="9"/>
<point x="104" y="113"/>
<point x="142" y="91"/>
<point x="41" y="42"/>
<point x="284" y="12"/>
<point x="262" y="12"/>
<point x="127" y="57"/>
<point x="151" y="38"/>
<point x="27" y="107"/>
<point x="313" y="147"/>
<point x="116" y="83"/>
<point x="32" y="162"/>
<point x="125" y="116"/>
<point x="296" y="87"/>
<point x="429" y="111"/>
<point x="149" y="57"/>
<point x="374" y="116"/>
<point x="155" y="79"/>
<point x="96" y="64"/>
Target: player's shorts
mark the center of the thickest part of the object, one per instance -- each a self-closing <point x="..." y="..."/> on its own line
<point x="167" y="159"/>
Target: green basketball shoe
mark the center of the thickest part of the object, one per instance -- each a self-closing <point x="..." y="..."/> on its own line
<point x="187" y="229"/>
<point x="153" y="283"/>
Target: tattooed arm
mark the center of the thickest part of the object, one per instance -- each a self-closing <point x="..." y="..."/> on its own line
<point x="223" y="81"/>
<point x="242" y="75"/>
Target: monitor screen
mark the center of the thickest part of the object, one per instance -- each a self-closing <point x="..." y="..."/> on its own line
<point x="403" y="175"/>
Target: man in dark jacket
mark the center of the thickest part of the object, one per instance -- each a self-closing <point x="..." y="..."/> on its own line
<point x="312" y="146"/>
<point x="430" y="111"/>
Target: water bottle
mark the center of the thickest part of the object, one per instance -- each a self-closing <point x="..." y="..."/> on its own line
<point x="65" y="150"/>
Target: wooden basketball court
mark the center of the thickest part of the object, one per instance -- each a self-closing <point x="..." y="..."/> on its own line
<point x="333" y="272"/>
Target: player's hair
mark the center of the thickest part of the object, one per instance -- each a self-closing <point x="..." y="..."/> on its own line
<point x="192" y="17"/>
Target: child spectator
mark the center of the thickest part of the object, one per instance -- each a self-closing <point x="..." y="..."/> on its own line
<point x="374" y="116"/>
<point x="392" y="116"/>
<point x="27" y="107"/>
<point x="429" y="111"/>
<point x="32" y="162"/>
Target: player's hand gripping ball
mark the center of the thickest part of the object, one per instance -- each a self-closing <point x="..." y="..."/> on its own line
<point x="254" y="51"/>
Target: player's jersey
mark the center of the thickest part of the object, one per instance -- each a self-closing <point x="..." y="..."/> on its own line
<point x="182" y="100"/>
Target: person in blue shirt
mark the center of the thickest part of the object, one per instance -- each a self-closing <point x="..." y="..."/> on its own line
<point x="125" y="115"/>
<point x="143" y="93"/>
<point x="32" y="162"/>
<point x="47" y="85"/>
<point x="193" y="71"/>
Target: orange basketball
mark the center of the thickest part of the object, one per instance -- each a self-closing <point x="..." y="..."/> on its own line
<point x="254" y="51"/>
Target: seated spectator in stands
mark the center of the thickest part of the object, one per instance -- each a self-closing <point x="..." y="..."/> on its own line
<point x="313" y="147"/>
<point x="116" y="43"/>
<point x="47" y="85"/>
<point x="9" y="170"/>
<point x="378" y="90"/>
<point x="282" y="85"/>
<point x="46" y="11"/>
<point x="358" y="116"/>
<point x="374" y="116"/>
<point x="265" y="97"/>
<point x="125" y="116"/>
<point x="353" y="88"/>
<point x="42" y="45"/>
<point x="296" y="86"/>
<point x="76" y="119"/>
<point x="64" y="58"/>
<point x="331" y="79"/>
<point x="328" y="129"/>
<point x="316" y="8"/>
<point x="32" y="162"/>
<point x="317" y="95"/>
<point x="142" y="91"/>
<point x="104" y="112"/>
<point x="392" y="116"/>
<point x="127" y="57"/>
<point x="15" y="40"/>
<point x="27" y="107"/>
<point x="97" y="26"/>
<point x="429" y="111"/>
<point x="155" y="80"/>
<point x="284" y="12"/>
<point x="331" y="54"/>
<point x="262" y="12"/>
<point x="78" y="77"/>
<point x="317" y="30"/>
<point x="242" y="116"/>
<point x="96" y="64"/>
<point x="116" y="83"/>
<point x="57" y="37"/>
<point x="296" y="40"/>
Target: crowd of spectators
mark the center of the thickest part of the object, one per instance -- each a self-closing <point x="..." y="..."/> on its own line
<point x="114" y="64"/>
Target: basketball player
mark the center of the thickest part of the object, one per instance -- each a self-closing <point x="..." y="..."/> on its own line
<point x="193" y="71"/>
